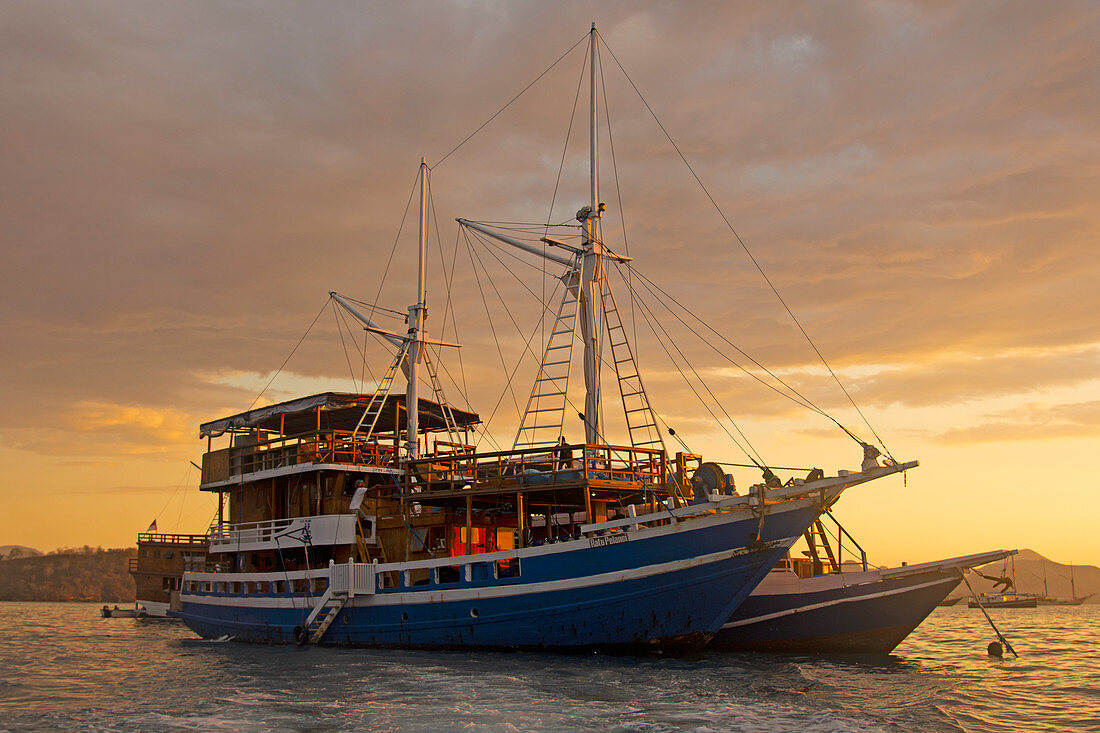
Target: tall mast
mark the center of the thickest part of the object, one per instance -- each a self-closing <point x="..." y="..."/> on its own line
<point x="416" y="327"/>
<point x="591" y="262"/>
<point x="592" y="152"/>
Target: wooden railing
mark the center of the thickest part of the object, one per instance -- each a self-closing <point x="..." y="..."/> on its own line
<point x="608" y="466"/>
<point x="321" y="446"/>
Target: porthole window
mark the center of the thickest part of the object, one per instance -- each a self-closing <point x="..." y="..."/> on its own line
<point x="474" y="613"/>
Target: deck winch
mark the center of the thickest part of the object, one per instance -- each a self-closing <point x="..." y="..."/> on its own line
<point x="708" y="479"/>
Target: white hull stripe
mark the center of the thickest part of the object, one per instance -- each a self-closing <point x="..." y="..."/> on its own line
<point x="495" y="591"/>
<point x="826" y="604"/>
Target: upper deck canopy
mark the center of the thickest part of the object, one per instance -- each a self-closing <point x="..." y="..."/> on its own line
<point x="339" y="411"/>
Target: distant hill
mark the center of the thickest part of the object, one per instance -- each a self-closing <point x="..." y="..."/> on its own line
<point x="7" y="551"/>
<point x="87" y="574"/>
<point x="1030" y="568"/>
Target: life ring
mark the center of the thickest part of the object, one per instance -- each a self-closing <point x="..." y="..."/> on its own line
<point x="301" y="635"/>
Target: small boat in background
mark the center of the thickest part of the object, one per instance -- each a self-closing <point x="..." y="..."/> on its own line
<point x="1074" y="600"/>
<point x="135" y="612"/>
<point x="1004" y="600"/>
<point x="1004" y="597"/>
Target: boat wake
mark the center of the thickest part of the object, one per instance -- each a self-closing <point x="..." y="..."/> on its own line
<point x="219" y="640"/>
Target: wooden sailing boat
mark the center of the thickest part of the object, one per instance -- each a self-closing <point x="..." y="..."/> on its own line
<point x="1073" y="600"/>
<point x="818" y="604"/>
<point x="373" y="520"/>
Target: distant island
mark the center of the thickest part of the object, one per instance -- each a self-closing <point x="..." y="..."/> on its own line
<point x="67" y="574"/>
<point x="8" y="552"/>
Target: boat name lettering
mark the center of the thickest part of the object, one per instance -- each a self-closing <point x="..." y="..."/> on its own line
<point x="609" y="539"/>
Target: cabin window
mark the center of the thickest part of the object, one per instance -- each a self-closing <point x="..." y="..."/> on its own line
<point x="168" y="555"/>
<point x="479" y="571"/>
<point x="417" y="576"/>
<point x="219" y="587"/>
<point x="389" y="579"/>
<point x="508" y="568"/>
<point x="447" y="574"/>
<point x="235" y="587"/>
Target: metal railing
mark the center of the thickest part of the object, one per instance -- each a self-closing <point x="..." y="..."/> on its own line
<point x="323" y="529"/>
<point x="155" y="538"/>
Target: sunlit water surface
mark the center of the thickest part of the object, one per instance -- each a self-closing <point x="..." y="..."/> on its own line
<point x="64" y="668"/>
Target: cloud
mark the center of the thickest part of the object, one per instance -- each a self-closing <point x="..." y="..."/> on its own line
<point x="1034" y="422"/>
<point x="182" y="185"/>
<point x="972" y="377"/>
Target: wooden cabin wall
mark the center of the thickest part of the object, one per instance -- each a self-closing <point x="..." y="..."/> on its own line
<point x="157" y="562"/>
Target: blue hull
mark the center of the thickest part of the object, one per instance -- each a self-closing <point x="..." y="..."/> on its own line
<point x="671" y="588"/>
<point x="867" y="618"/>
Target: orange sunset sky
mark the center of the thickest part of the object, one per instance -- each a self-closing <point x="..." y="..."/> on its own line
<point x="181" y="184"/>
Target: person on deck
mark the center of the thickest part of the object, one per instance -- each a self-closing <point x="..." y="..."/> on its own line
<point x="564" y="453"/>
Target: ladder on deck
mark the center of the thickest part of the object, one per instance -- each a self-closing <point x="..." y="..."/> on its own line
<point x="817" y="539"/>
<point x="641" y="423"/>
<point x="444" y="406"/>
<point x="544" y="417"/>
<point x="378" y="399"/>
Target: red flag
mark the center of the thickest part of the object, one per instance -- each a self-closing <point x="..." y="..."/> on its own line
<point x="152" y="527"/>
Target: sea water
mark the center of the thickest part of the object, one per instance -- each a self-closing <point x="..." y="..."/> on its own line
<point x="64" y="668"/>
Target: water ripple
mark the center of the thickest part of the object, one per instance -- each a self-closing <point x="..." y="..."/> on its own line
<point x="69" y="670"/>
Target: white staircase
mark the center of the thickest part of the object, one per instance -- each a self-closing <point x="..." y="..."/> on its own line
<point x="326" y="610"/>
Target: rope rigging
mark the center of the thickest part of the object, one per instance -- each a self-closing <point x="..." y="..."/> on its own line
<point x="523" y="91"/>
<point x="650" y="321"/>
<point x="340" y="329"/>
<point x="565" y="147"/>
<point x="396" y="239"/>
<point x="639" y="305"/>
<point x="291" y="354"/>
<point x="751" y="257"/>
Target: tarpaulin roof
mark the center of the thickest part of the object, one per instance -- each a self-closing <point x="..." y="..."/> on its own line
<point x="339" y="411"/>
